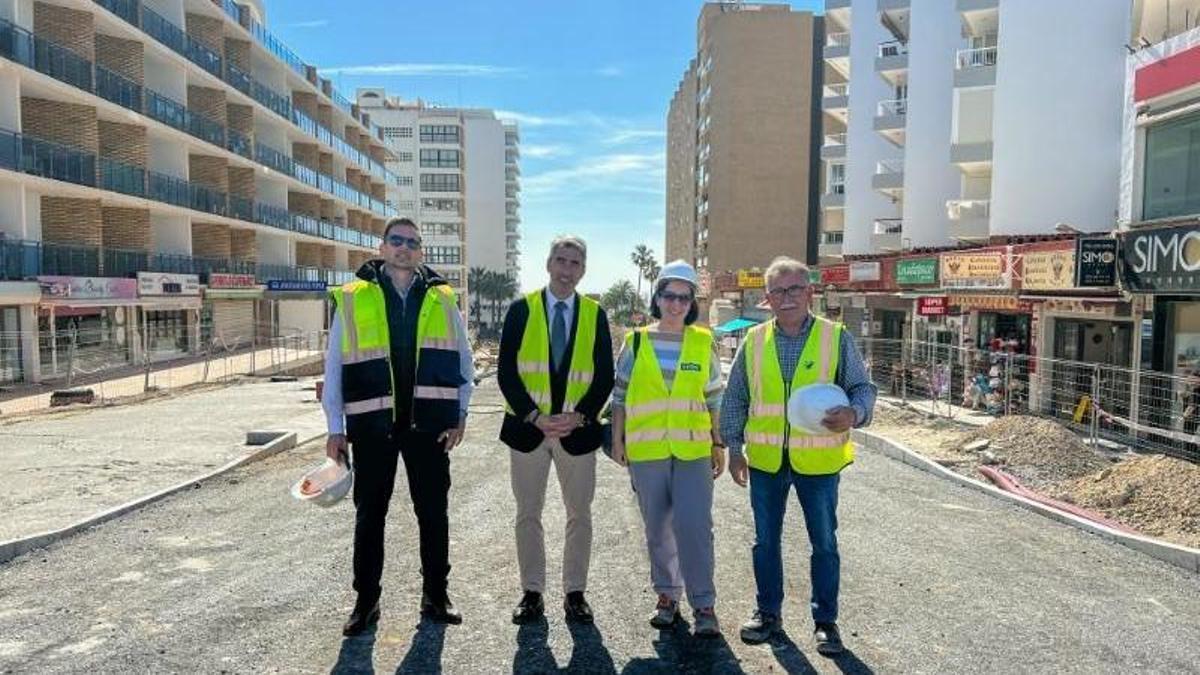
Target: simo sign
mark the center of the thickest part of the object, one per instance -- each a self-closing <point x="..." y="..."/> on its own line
<point x="1166" y="259"/>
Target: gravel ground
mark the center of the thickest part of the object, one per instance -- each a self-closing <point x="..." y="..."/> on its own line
<point x="236" y="577"/>
<point x="62" y="467"/>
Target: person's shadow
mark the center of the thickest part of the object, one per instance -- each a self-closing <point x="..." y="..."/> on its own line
<point x="357" y="655"/>
<point x="588" y="653"/>
<point x="425" y="652"/>
<point x="533" y="653"/>
<point x="681" y="652"/>
<point x="792" y="660"/>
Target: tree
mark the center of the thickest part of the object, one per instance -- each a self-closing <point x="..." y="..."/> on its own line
<point x="621" y="300"/>
<point x="475" y="288"/>
<point x="643" y="259"/>
<point x="651" y="274"/>
<point x="503" y="288"/>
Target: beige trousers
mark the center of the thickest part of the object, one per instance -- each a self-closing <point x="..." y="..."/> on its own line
<point x="577" y="478"/>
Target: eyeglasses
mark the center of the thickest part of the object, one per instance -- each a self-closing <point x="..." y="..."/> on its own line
<point x="791" y="291"/>
<point x="668" y="296"/>
<point x="398" y="240"/>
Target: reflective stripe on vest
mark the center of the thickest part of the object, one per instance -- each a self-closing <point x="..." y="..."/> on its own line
<point x="767" y="429"/>
<point x="533" y="357"/>
<point x="676" y="423"/>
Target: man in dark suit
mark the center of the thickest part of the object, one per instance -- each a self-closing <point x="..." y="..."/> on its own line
<point x="556" y="372"/>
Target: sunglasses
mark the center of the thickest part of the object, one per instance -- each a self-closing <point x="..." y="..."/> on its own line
<point x="668" y="296"/>
<point x="398" y="240"/>
<point x="791" y="291"/>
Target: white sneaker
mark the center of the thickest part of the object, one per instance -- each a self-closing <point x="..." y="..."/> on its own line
<point x="666" y="612"/>
<point x="706" y="624"/>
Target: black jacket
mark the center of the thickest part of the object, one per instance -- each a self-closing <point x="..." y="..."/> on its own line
<point x="525" y="437"/>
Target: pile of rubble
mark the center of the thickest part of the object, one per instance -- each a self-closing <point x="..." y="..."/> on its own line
<point x="1038" y="451"/>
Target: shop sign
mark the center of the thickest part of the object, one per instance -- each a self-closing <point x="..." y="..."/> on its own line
<point x="1079" y="306"/>
<point x="814" y="276"/>
<point x="838" y="274"/>
<point x="1048" y="270"/>
<point x="1162" y="260"/>
<point x="750" y="279"/>
<point x="932" y="306"/>
<point x="291" y="286"/>
<point x="995" y="303"/>
<point x="988" y="269"/>
<point x="917" y="272"/>
<point x="223" y="280"/>
<point x="162" y="283"/>
<point x="864" y="271"/>
<point x="1095" y="262"/>
<point x="87" y="288"/>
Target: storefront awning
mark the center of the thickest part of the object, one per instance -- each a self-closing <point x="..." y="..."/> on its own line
<point x="233" y="294"/>
<point x="735" y="325"/>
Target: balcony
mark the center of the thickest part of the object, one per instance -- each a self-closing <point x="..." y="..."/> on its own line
<point x="21" y="46"/>
<point x="118" y="89"/>
<point x="891" y="117"/>
<point x="979" y="17"/>
<point x="969" y="218"/>
<point x="45" y="159"/>
<point x="834" y="196"/>
<point x="887" y="234"/>
<point x="837" y="49"/>
<point x="975" y="67"/>
<point x="834" y="146"/>
<point x="891" y="62"/>
<point x="889" y="177"/>
<point x="830" y="245"/>
<point x="836" y="99"/>
<point x="973" y="159"/>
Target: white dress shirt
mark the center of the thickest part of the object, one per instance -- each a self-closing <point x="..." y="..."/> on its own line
<point x="569" y="312"/>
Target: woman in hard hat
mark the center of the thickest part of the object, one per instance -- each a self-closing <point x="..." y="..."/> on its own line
<point x="666" y="430"/>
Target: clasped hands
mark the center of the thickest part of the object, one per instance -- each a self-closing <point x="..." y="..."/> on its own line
<point x="562" y="424"/>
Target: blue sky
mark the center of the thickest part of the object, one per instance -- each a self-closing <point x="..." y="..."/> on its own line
<point x="588" y="81"/>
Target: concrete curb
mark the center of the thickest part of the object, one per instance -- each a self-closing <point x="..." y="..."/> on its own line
<point x="13" y="548"/>
<point x="1180" y="556"/>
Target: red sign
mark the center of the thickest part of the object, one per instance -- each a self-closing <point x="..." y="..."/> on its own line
<point x="839" y="274"/>
<point x="932" y="306"/>
<point x="222" y="280"/>
<point x="1167" y="75"/>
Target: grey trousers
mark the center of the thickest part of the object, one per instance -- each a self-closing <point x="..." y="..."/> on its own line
<point x="676" y="501"/>
<point x="530" y="472"/>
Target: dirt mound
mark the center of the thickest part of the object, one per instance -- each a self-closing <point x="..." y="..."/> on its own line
<point x="1154" y="494"/>
<point x="1039" y="451"/>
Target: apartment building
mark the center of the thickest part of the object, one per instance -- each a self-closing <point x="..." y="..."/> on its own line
<point x="459" y="180"/>
<point x="957" y="122"/>
<point x="172" y="176"/>
<point x="740" y="130"/>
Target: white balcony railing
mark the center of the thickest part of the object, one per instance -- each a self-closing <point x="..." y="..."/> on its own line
<point x="838" y="39"/>
<point x="888" y="226"/>
<point x="836" y="189"/>
<point x="832" y="237"/>
<point x="967" y="209"/>
<point x="835" y="90"/>
<point x="832" y="140"/>
<point x="896" y="106"/>
<point x="889" y="166"/>
<point x="976" y="58"/>
<point x="892" y="48"/>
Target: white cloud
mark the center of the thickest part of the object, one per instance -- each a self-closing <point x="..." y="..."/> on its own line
<point x="610" y="71"/>
<point x="621" y="172"/>
<point x="528" y="120"/>
<point x="544" y="151"/>
<point x="631" y="135"/>
<point x="425" y="70"/>
<point x="316" y="23"/>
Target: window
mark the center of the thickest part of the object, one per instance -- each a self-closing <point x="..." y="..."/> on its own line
<point x="443" y="255"/>
<point x="442" y="229"/>
<point x="391" y="133"/>
<point x="405" y="157"/>
<point x="406" y="205"/>
<point x="452" y="205"/>
<point x="404" y="180"/>
<point x="1172" y="180"/>
<point x="455" y="277"/>
<point x="438" y="133"/>
<point x="440" y="159"/>
<point x="440" y="182"/>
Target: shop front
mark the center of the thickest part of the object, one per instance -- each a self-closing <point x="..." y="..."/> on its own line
<point x="18" y="335"/>
<point x="86" y="324"/>
<point x="290" y="308"/>
<point x="170" y="314"/>
<point x="229" y="315"/>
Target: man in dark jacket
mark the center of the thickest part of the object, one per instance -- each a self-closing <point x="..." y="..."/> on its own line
<point x="556" y="372"/>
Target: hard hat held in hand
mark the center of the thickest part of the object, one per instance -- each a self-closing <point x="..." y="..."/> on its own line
<point x="809" y="405"/>
<point x="325" y="485"/>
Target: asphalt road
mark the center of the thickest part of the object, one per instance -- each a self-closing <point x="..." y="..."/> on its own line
<point x="234" y="576"/>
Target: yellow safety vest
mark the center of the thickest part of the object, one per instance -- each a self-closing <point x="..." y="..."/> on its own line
<point x="676" y="423"/>
<point x="767" y="429"/>
<point x="368" y="383"/>
<point x="533" y="358"/>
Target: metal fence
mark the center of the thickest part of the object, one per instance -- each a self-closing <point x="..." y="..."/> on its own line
<point x="1144" y="410"/>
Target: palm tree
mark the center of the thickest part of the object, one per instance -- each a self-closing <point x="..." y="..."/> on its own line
<point x="503" y="289"/>
<point x="621" y="301"/>
<point x="474" y="284"/>
<point x="642" y="258"/>
<point x="652" y="273"/>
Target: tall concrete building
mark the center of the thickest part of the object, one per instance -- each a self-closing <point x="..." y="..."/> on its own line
<point x="174" y="177"/>
<point x="956" y="122"/>
<point x="741" y="170"/>
<point x="458" y="174"/>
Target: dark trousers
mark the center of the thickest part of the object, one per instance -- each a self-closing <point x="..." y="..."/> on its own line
<point x="428" y="468"/>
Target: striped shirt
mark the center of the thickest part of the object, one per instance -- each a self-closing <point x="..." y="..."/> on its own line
<point x="666" y="348"/>
<point x="852" y="376"/>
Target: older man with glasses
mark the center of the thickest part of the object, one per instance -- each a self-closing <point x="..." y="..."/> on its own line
<point x="793" y="350"/>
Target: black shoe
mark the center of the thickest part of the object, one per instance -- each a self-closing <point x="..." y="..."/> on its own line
<point x="760" y="627"/>
<point x="530" y="609"/>
<point x="829" y="640"/>
<point x="360" y="620"/>
<point x="577" y="609"/>
<point x="440" y="609"/>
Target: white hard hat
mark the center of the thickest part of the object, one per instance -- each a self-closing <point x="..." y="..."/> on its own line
<point x="808" y="406"/>
<point x="325" y="485"/>
<point x="677" y="270"/>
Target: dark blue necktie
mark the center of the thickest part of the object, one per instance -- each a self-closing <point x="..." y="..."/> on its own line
<point x="558" y="333"/>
